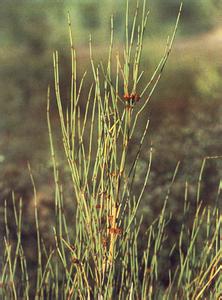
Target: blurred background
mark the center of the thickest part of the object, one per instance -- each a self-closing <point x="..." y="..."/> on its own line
<point x="185" y="111"/>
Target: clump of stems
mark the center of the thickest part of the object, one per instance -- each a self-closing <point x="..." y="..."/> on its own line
<point x="97" y="257"/>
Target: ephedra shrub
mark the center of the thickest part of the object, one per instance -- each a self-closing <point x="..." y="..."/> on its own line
<point x="95" y="254"/>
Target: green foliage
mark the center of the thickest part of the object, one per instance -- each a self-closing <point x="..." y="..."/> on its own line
<point x="99" y="248"/>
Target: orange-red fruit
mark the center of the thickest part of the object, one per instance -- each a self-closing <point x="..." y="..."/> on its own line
<point x="116" y="231"/>
<point x="126" y="97"/>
